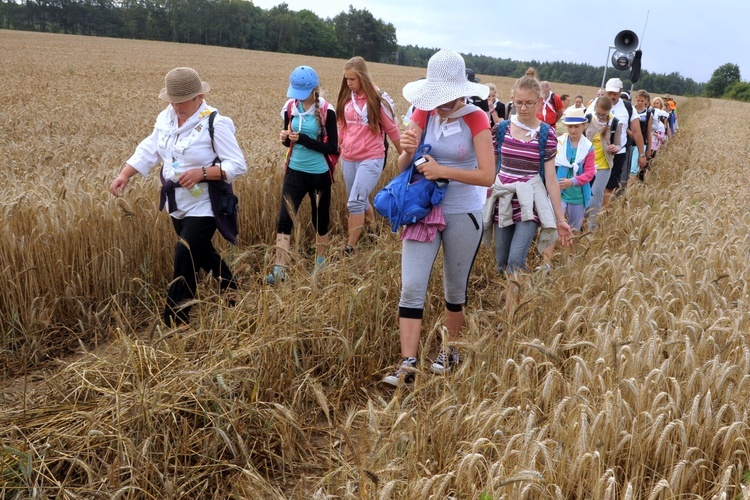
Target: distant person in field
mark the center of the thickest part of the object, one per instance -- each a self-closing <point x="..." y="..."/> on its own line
<point x="605" y="133"/>
<point x="658" y="126"/>
<point x="477" y="101"/>
<point x="662" y="113"/>
<point x="645" y="117"/>
<point x="196" y="170"/>
<point x="575" y="166"/>
<point x="365" y="117"/>
<point x="671" y="108"/>
<point x="521" y="202"/>
<point x="577" y="104"/>
<point x="565" y="99"/>
<point x="497" y="107"/>
<point x="552" y="107"/>
<point x="509" y="108"/>
<point x="311" y="134"/>
<point x="497" y="111"/>
<point x="461" y="153"/>
<point x="629" y="118"/>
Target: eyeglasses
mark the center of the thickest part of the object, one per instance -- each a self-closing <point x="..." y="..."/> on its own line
<point x="602" y="116"/>
<point x="528" y="104"/>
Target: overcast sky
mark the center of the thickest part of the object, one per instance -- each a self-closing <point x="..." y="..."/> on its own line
<point x="690" y="37"/>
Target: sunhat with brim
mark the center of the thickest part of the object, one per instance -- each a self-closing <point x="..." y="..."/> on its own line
<point x="575" y="116"/>
<point x="446" y="81"/>
<point x="302" y="82"/>
<point x="182" y="84"/>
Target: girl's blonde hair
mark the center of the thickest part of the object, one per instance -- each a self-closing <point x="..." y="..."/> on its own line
<point x="605" y="104"/>
<point x="372" y="93"/>
<point x="528" y="83"/>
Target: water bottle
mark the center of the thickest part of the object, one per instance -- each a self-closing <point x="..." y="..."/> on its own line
<point x="196" y="190"/>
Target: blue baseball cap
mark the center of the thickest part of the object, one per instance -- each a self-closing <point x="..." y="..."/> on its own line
<point x="302" y="81"/>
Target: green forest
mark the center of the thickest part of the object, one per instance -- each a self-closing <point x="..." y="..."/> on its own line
<point x="241" y="24"/>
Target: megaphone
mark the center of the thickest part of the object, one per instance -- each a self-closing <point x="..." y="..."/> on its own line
<point x="625" y="42"/>
<point x="622" y="60"/>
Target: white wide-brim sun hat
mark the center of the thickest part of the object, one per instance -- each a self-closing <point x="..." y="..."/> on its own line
<point x="446" y="81"/>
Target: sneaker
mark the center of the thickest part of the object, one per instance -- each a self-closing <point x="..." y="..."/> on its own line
<point x="277" y="276"/>
<point x="405" y="372"/>
<point x="445" y="361"/>
<point x="348" y="251"/>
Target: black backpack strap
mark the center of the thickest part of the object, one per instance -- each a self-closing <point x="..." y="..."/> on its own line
<point x="629" y="107"/>
<point x="217" y="160"/>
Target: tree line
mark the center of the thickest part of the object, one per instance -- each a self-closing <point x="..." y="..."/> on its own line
<point x="241" y="24"/>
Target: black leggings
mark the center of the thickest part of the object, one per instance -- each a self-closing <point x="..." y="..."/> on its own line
<point x="298" y="184"/>
<point x="199" y="253"/>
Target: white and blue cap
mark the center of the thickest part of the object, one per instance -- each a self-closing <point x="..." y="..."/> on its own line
<point x="302" y="81"/>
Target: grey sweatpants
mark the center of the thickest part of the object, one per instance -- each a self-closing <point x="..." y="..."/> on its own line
<point x="460" y="240"/>
<point x="360" y="178"/>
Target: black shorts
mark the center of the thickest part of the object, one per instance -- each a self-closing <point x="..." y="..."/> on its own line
<point x="617" y="165"/>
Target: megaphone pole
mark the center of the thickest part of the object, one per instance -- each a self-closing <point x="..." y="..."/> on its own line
<point x="606" y="62"/>
<point x="640" y="42"/>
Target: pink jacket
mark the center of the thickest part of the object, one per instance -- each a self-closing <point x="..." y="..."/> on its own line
<point x="357" y="141"/>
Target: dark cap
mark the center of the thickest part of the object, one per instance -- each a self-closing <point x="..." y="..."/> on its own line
<point x="471" y="76"/>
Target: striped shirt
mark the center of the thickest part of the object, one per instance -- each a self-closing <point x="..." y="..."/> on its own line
<point x="520" y="162"/>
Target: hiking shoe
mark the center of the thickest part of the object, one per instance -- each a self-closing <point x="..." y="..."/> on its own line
<point x="446" y="361"/>
<point x="348" y="251"/>
<point x="277" y="276"/>
<point x="405" y="372"/>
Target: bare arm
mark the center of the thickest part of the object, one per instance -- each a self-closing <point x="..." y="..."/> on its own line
<point x="121" y="181"/>
<point x="635" y="129"/>
<point x="564" y="233"/>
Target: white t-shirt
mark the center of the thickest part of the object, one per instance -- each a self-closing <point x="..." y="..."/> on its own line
<point x="621" y="113"/>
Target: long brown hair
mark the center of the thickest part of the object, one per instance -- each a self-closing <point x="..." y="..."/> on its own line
<point x="374" y="101"/>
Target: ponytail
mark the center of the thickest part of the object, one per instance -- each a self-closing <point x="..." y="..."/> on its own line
<point x="317" y="110"/>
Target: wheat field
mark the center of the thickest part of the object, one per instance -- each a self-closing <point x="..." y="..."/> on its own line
<point x="623" y="374"/>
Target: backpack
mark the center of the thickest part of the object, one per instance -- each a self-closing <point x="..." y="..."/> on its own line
<point x="544" y="129"/>
<point x="613" y="129"/>
<point x="223" y="200"/>
<point x="331" y="159"/>
<point x="405" y="201"/>
<point x="644" y="122"/>
<point x="612" y="126"/>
